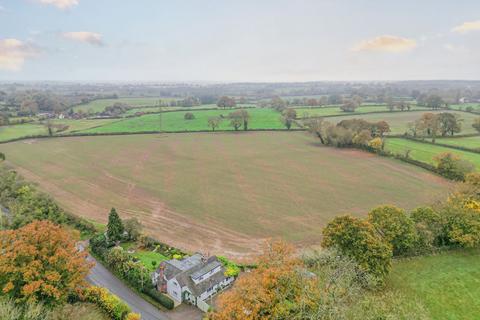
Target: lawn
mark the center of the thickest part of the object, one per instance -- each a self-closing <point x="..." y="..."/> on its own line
<point x="146" y="257"/>
<point x="426" y="152"/>
<point x="398" y="120"/>
<point x="466" y="142"/>
<point x="306" y="112"/>
<point x="447" y="284"/>
<point x="100" y="104"/>
<point x="223" y="192"/>
<point x="174" y="121"/>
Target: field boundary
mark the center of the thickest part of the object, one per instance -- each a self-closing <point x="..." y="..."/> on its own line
<point x="444" y="144"/>
<point x="363" y="113"/>
<point x="79" y="134"/>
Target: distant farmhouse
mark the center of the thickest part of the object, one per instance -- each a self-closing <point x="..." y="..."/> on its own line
<point x="192" y="280"/>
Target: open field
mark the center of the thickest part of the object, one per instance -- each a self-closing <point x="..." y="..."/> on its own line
<point x="83" y="124"/>
<point x="100" y="104"/>
<point x="426" y="152"/>
<point x="447" y="284"/>
<point x="398" y="120"/>
<point x="467" y="142"/>
<point x="332" y="111"/>
<point x="39" y="129"/>
<point x="156" y="109"/>
<point x="221" y="192"/>
<point x="174" y="121"/>
<point x="21" y="130"/>
<point x="475" y="106"/>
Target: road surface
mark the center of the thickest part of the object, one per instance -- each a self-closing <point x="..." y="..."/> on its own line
<point x="102" y="277"/>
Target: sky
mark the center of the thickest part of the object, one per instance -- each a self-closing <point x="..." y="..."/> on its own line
<point x="248" y="40"/>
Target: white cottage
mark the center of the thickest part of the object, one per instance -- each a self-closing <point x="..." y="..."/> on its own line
<point x="193" y="279"/>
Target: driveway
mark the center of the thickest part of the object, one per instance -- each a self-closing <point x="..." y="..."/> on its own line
<point x="102" y="277"/>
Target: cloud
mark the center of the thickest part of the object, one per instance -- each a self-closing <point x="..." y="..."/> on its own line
<point x="92" y="38"/>
<point x="455" y="49"/>
<point x="467" y="27"/>
<point x="386" y="43"/>
<point x="13" y="54"/>
<point x="61" y="4"/>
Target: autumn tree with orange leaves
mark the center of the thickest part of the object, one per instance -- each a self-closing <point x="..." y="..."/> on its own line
<point x="40" y="262"/>
<point x="275" y="290"/>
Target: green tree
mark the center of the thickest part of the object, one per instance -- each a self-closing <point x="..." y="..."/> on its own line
<point x="395" y="227"/>
<point x="236" y="119"/>
<point x="214" y="122"/>
<point x="449" y="123"/>
<point x="358" y="239"/>
<point x="115" y="226"/>
<point x="434" y="101"/>
<point x="133" y="228"/>
<point x="429" y="226"/>
<point x="462" y="225"/>
<point x="288" y="117"/>
<point x="245" y="118"/>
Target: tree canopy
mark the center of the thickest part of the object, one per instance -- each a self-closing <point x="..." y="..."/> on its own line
<point x="40" y="262"/>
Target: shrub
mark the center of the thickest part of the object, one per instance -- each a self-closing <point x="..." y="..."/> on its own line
<point x="133" y="316"/>
<point x="231" y="269"/>
<point x="160" y="298"/>
<point x="462" y="226"/>
<point x="452" y="166"/>
<point x="428" y="225"/>
<point x="110" y="303"/>
<point x="395" y="227"/>
<point x="124" y="265"/>
<point x="189" y="116"/>
<point x="376" y="144"/>
<point x="358" y="239"/>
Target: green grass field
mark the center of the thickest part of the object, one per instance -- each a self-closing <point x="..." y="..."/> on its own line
<point x="447" y="284"/>
<point x="222" y="192"/>
<point x="333" y="111"/>
<point x="398" y="120"/>
<point x="156" y="109"/>
<point x="174" y="121"/>
<point x="426" y="152"/>
<point x="39" y="129"/>
<point x="475" y="106"/>
<point x="21" y="130"/>
<point x="100" y="104"/>
<point x="467" y="142"/>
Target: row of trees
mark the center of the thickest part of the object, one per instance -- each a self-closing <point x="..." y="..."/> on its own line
<point x="238" y="119"/>
<point x="348" y="133"/>
<point x="434" y="124"/>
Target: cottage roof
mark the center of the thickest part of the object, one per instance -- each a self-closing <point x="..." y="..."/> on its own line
<point x="194" y="267"/>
